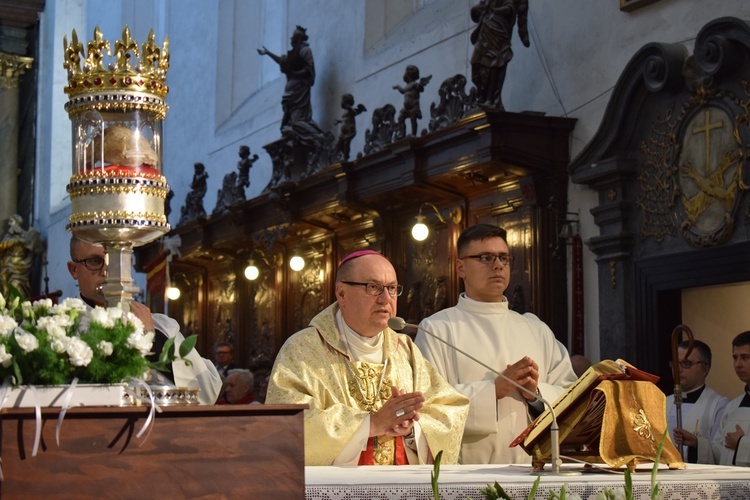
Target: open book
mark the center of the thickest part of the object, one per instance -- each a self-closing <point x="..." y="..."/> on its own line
<point x="579" y="412"/>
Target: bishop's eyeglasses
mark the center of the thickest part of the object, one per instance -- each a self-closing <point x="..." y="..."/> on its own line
<point x="489" y="258"/>
<point x="92" y="263"/>
<point x="376" y="289"/>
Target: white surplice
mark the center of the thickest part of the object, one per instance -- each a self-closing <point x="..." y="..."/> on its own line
<point x="734" y="415"/>
<point x="702" y="418"/>
<point x="498" y="336"/>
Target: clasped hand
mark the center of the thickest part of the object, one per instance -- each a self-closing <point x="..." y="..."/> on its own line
<point x="389" y="421"/>
<point x="524" y="372"/>
<point x="685" y="438"/>
<point x="143" y="313"/>
<point x="732" y="439"/>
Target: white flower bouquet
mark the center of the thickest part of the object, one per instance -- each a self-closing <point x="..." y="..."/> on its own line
<point x="46" y="344"/>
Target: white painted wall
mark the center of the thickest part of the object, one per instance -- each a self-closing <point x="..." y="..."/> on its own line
<point x="223" y="95"/>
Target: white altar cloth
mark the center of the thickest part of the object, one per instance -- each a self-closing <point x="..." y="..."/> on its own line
<point x="704" y="482"/>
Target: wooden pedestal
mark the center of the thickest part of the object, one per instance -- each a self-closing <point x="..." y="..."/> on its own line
<point x="248" y="451"/>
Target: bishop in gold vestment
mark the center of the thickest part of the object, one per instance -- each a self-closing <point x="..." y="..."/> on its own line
<point x="344" y="366"/>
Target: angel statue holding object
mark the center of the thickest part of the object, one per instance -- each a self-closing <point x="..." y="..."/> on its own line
<point x="411" y="110"/>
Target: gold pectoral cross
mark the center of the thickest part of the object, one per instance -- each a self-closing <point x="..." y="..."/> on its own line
<point x="369" y="387"/>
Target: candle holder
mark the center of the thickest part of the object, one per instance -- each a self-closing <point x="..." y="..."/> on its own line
<point x="117" y="189"/>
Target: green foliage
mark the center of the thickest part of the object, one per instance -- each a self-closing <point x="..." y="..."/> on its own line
<point x="628" y="486"/>
<point x="495" y="491"/>
<point x="167" y="355"/>
<point x="434" y="475"/>
<point x="557" y="496"/>
<point x="655" y="493"/>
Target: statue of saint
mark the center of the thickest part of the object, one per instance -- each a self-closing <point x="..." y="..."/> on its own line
<point x="492" y="52"/>
<point x="298" y="66"/>
<point x="17" y="249"/>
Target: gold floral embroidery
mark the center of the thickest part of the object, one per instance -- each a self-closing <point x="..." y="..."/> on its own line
<point x="641" y="425"/>
<point x="384" y="450"/>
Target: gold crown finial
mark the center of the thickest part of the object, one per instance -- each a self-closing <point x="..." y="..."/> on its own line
<point x="126" y="83"/>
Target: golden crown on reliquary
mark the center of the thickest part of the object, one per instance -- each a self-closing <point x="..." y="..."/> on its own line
<point x="134" y="79"/>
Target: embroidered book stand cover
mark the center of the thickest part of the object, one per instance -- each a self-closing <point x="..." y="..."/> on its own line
<point x="612" y="414"/>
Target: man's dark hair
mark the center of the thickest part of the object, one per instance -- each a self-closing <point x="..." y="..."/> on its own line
<point x="480" y="232"/>
<point x="741" y="339"/>
<point x="224" y="344"/>
<point x="704" y="352"/>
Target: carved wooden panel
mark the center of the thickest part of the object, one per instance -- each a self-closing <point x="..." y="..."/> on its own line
<point x="500" y="168"/>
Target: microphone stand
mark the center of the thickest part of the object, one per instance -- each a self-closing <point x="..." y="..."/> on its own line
<point x="399" y="324"/>
<point x="676" y="372"/>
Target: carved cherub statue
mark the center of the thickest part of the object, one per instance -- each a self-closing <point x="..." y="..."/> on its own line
<point x="411" y="110"/>
<point x="348" y="124"/>
<point x="244" y="166"/>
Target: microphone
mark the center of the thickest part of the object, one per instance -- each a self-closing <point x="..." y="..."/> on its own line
<point x="399" y="324"/>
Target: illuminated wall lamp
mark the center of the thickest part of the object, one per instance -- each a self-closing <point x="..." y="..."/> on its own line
<point x="297" y="263"/>
<point x="420" y="231"/>
<point x="173" y="293"/>
<point x="252" y="272"/>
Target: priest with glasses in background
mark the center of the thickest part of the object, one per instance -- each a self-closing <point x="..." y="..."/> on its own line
<point x="520" y="346"/>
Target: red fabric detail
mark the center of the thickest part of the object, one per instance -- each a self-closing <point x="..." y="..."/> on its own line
<point x="367" y="456"/>
<point x="127" y="171"/>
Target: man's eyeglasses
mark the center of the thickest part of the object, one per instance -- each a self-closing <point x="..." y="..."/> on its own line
<point x="489" y="258"/>
<point x="92" y="263"/>
<point x="687" y="364"/>
<point x="376" y="289"/>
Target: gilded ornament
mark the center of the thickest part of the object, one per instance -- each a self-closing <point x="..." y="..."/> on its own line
<point x="641" y="425"/>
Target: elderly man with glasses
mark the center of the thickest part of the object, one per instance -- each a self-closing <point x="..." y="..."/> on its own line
<point x="702" y="407"/>
<point x="520" y="346"/>
<point x="86" y="265"/>
<point x="373" y="399"/>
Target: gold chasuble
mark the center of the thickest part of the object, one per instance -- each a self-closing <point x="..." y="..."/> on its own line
<point x="313" y="368"/>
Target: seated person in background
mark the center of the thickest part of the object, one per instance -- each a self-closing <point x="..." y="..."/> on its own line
<point x="224" y="357"/>
<point x="702" y="407"/>
<point x="238" y="388"/>
<point x="520" y="346"/>
<point x="731" y="445"/>
<point x="373" y="399"/>
<point x="86" y="265"/>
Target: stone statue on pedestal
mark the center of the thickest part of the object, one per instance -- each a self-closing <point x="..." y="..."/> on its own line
<point x="298" y="129"/>
<point x="194" y="200"/>
<point x="492" y="53"/>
